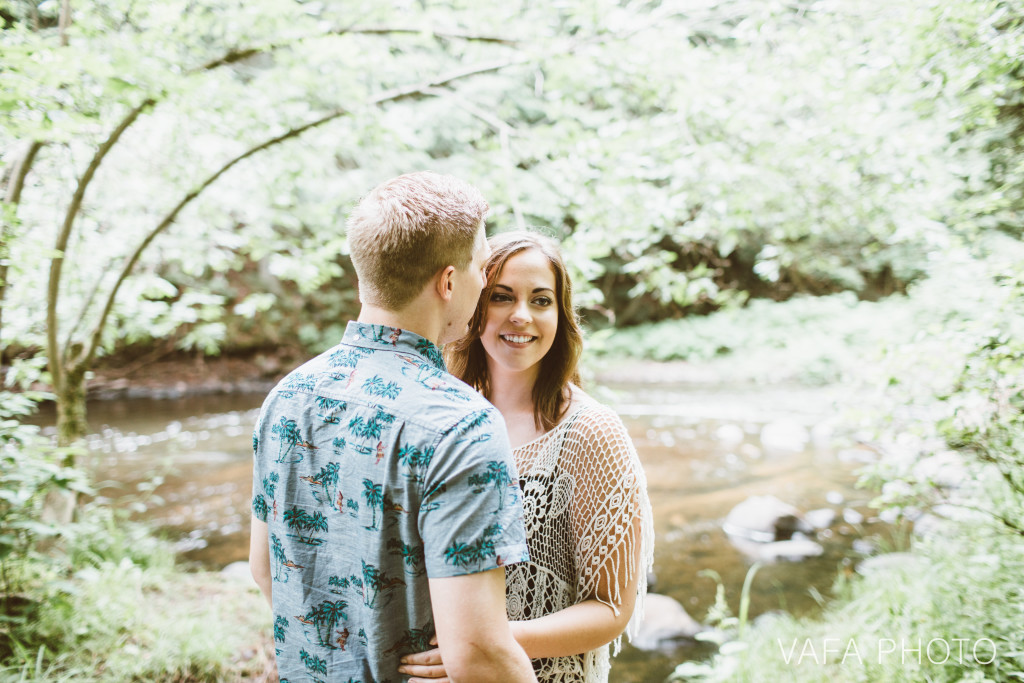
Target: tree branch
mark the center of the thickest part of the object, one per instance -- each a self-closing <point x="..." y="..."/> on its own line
<point x="238" y="54"/>
<point x="90" y="351"/>
<point x="56" y="361"/>
<point x="393" y="95"/>
<point x="504" y="131"/>
<point x="16" y="182"/>
<point x="12" y="197"/>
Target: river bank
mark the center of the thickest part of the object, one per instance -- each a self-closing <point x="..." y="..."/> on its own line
<point x="180" y="454"/>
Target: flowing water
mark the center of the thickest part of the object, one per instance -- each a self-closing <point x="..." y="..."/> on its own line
<point x="186" y="465"/>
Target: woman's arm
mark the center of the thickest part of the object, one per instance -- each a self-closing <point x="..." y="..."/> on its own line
<point x="589" y="624"/>
<point x="579" y="628"/>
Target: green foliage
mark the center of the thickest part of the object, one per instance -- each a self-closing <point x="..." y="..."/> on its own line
<point x="690" y="157"/>
<point x="82" y="601"/>
<point x="961" y="586"/>
<point x="943" y="408"/>
<point x="122" y="622"/>
<point x="31" y="469"/>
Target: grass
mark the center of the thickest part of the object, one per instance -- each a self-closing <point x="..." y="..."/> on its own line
<point x="809" y="340"/>
<point x="951" y="612"/>
<point x="109" y="605"/>
<point x="943" y="360"/>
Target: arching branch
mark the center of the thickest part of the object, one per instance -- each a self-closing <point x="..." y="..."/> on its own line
<point x="393" y="95"/>
<point x="57" y="262"/>
<point x="504" y="131"/>
<point x="16" y="181"/>
<point x="241" y="53"/>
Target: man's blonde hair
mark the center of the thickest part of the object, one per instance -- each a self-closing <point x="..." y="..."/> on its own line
<point x="407" y="229"/>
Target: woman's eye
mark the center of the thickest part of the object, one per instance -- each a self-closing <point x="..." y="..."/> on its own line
<point x="542" y="301"/>
<point x="500" y="298"/>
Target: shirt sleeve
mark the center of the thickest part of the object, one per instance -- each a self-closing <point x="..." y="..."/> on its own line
<point x="471" y="517"/>
<point x="262" y="485"/>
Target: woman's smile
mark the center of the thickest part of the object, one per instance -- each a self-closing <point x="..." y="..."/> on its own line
<point x="518" y="339"/>
<point x="522" y="313"/>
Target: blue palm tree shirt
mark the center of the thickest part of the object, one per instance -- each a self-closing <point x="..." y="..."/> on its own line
<point x="374" y="469"/>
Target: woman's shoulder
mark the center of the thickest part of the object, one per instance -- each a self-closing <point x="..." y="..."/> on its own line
<point x="586" y="410"/>
<point x="595" y="425"/>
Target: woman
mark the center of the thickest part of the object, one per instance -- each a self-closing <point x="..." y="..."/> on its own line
<point x="588" y="518"/>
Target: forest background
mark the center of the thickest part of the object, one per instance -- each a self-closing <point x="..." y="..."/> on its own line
<point x="836" y="183"/>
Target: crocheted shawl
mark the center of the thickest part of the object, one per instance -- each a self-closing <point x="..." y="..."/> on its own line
<point x="583" y="489"/>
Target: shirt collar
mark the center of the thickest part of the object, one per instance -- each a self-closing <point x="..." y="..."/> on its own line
<point x="387" y="338"/>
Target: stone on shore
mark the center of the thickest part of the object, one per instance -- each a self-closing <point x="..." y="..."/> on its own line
<point x="665" y="624"/>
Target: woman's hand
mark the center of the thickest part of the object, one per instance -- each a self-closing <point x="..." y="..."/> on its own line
<point x="425" y="667"/>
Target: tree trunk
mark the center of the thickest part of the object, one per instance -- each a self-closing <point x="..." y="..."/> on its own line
<point x="5" y="238"/>
<point x="71" y="423"/>
<point x="64" y="22"/>
<point x="59" y="505"/>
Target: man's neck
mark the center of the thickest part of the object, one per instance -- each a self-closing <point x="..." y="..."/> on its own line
<point x="410" y="319"/>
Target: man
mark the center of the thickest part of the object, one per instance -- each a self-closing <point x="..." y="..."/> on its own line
<point x="384" y="492"/>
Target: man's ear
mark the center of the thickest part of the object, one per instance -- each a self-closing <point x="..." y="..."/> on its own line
<point x="445" y="282"/>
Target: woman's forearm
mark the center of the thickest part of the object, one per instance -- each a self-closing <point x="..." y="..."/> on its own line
<point x="582" y="627"/>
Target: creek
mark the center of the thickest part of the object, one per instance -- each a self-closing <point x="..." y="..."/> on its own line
<point x="185" y="465"/>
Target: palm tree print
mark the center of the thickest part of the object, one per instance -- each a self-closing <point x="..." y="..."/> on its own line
<point x="497" y="477"/>
<point x="300" y="382"/>
<point x="414" y="640"/>
<point x="281" y="561"/>
<point x="461" y="554"/>
<point x="299" y="520"/>
<point x="411" y="456"/>
<point x="474" y="420"/>
<point x="435" y="490"/>
<point x="432" y="378"/>
<point x="365" y="429"/>
<point x="338" y="585"/>
<point x="346" y="358"/>
<point x="280" y="629"/>
<point x="370" y="429"/>
<point x="353" y="505"/>
<point x="325" y="617"/>
<point x="412" y="555"/>
<point x="339" y="445"/>
<point x="314" y="665"/>
<point x="288" y="437"/>
<point x="376" y="582"/>
<point x="270" y="484"/>
<point x="392" y="334"/>
<point x="374" y="496"/>
<point x="330" y="406"/>
<point x="324" y="483"/>
<point x="431" y="352"/>
<point x="375" y="386"/>
<point x="260" y="507"/>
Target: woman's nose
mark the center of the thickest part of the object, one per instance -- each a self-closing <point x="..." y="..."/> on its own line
<point x="521" y="313"/>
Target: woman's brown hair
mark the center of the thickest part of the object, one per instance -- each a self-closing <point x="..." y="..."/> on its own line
<point x="467" y="360"/>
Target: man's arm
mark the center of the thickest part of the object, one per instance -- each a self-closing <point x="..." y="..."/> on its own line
<point x="259" y="557"/>
<point x="473" y="631"/>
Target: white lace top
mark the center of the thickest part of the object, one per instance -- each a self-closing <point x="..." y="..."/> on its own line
<point x="583" y="487"/>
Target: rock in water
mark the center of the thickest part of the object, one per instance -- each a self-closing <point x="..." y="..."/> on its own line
<point x="239" y="571"/>
<point x="666" y="623"/>
<point x="764" y="519"/>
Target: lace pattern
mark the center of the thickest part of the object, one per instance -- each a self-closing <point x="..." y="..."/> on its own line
<point x="583" y="487"/>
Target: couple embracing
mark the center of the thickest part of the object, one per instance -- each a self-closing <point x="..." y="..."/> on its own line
<point x="466" y="514"/>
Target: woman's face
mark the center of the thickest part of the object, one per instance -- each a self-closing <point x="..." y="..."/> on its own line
<point x="522" y="314"/>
